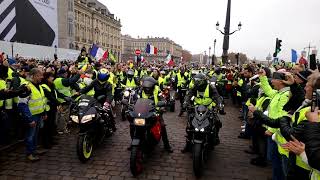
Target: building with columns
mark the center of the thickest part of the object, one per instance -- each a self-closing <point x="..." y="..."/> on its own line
<point x="86" y="22"/>
<point x="164" y="45"/>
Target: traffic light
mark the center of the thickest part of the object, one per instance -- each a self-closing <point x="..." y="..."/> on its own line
<point x="278" y="47"/>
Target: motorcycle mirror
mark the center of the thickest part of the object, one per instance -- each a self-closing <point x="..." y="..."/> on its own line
<point x="192" y="98"/>
<point x="125" y="102"/>
<point x="101" y="98"/>
<point x="161" y="104"/>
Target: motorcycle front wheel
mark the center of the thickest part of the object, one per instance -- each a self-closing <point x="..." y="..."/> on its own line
<point x="172" y="107"/>
<point x="84" y="147"/>
<point x="197" y="156"/>
<point x="136" y="161"/>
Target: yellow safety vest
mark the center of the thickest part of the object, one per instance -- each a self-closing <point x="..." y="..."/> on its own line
<point x="3" y="86"/>
<point x="61" y="89"/>
<point x="83" y="63"/>
<point x="131" y="84"/>
<point x="45" y="99"/>
<point x="315" y="175"/>
<point x="206" y="100"/>
<point x="36" y="103"/>
<point x="90" y="93"/>
<point x="180" y="80"/>
<point x="155" y="95"/>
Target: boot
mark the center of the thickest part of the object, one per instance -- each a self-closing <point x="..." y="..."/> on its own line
<point x="32" y="158"/>
<point x="165" y="140"/>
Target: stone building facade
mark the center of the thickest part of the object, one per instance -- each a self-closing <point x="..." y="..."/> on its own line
<point x="86" y="22"/>
<point x="164" y="45"/>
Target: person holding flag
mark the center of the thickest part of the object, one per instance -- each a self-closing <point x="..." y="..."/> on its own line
<point x="83" y="59"/>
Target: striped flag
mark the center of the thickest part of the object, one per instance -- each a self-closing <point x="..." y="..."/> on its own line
<point x="151" y="49"/>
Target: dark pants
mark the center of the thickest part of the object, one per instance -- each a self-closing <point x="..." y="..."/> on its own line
<point x="259" y="142"/>
<point x="274" y="156"/>
<point x="298" y="173"/>
<point x="49" y="128"/>
<point x="4" y="127"/>
<point x="32" y="135"/>
<point x="182" y="94"/>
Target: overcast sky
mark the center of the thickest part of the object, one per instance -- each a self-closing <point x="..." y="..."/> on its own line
<point x="191" y="23"/>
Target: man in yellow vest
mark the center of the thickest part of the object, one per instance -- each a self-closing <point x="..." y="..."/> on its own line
<point x="6" y="94"/>
<point x="32" y="109"/>
<point x="63" y="86"/>
<point x="150" y="90"/>
<point x="83" y="59"/>
<point x="182" y="82"/>
<point x="207" y="95"/>
<point x="130" y="81"/>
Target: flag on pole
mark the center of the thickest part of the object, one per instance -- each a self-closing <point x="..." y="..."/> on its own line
<point x="111" y="57"/>
<point x="151" y="49"/>
<point x="169" y="60"/>
<point x="98" y="53"/>
<point x="294" y="56"/>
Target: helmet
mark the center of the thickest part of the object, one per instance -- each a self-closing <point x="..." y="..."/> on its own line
<point x="103" y="75"/>
<point x="200" y="81"/>
<point x="130" y="73"/>
<point x="148" y="85"/>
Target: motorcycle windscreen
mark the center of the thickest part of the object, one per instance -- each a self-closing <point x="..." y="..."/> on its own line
<point x="203" y="123"/>
<point x="85" y="103"/>
<point x="143" y="107"/>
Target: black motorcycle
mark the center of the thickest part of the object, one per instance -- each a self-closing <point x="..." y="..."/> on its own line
<point x="94" y="122"/>
<point x="203" y="136"/>
<point x="129" y="94"/>
<point x="146" y="131"/>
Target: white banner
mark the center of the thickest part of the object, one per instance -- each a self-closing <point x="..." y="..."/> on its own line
<point x="29" y="21"/>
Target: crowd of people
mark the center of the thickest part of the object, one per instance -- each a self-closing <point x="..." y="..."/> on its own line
<point x="278" y="104"/>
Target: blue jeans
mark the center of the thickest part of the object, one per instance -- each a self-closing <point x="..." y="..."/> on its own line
<point x="285" y="165"/>
<point x="274" y="156"/>
<point x="245" y="111"/>
<point x="32" y="135"/>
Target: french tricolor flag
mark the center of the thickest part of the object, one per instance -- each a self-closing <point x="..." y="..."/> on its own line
<point x="98" y="53"/>
<point x="151" y="49"/>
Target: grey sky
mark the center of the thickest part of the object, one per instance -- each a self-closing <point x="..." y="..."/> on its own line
<point x="192" y="23"/>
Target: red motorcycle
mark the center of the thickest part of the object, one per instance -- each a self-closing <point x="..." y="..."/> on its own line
<point x="145" y="132"/>
<point x="168" y="94"/>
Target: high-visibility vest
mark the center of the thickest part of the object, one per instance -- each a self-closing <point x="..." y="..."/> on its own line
<point x="112" y="80"/>
<point x="36" y="103"/>
<point x="61" y="89"/>
<point x="83" y="63"/>
<point x="155" y="95"/>
<point x="160" y="80"/>
<point x="240" y="83"/>
<point x="191" y="84"/>
<point x="131" y="84"/>
<point x="205" y="100"/>
<point x="45" y="99"/>
<point x="22" y="81"/>
<point x="3" y="86"/>
<point x="181" y="80"/>
<point x="8" y="102"/>
<point x="90" y="93"/>
<point x="315" y="175"/>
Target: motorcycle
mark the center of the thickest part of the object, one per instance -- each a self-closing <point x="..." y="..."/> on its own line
<point x="169" y="95"/>
<point x="94" y="124"/>
<point x="145" y="122"/>
<point x="129" y="95"/>
<point x="203" y="136"/>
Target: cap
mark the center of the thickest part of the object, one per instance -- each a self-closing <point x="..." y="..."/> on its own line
<point x="304" y="75"/>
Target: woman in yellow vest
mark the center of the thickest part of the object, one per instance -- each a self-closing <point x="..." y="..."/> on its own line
<point x="51" y="104"/>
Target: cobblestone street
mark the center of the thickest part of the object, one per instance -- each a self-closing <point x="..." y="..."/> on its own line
<point x="111" y="159"/>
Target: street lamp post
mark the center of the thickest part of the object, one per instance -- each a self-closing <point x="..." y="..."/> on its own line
<point x="227" y="33"/>
<point x="209" y="62"/>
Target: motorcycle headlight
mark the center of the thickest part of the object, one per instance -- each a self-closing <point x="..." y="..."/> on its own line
<point x="126" y="93"/>
<point x="75" y="119"/>
<point x="87" y="118"/>
<point x="139" y="122"/>
<point x="168" y="87"/>
<point x="202" y="130"/>
<point x="196" y="129"/>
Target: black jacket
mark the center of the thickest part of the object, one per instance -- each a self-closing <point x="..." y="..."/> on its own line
<point x="99" y="89"/>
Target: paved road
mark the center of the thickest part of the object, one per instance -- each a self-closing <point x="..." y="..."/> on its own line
<point x="111" y="160"/>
